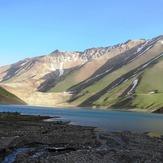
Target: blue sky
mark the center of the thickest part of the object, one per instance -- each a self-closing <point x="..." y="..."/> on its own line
<point x="31" y="28"/>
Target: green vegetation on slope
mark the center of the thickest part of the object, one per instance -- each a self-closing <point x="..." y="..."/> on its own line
<point x="66" y="81"/>
<point x="151" y="81"/>
<point x="102" y="83"/>
<point x="148" y="94"/>
<point x="113" y="97"/>
<point x="148" y="101"/>
<point x="9" y="98"/>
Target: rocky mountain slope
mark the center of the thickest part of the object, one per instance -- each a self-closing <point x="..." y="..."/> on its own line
<point x="124" y="75"/>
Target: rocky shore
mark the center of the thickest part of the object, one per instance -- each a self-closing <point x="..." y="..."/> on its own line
<point x="26" y="138"/>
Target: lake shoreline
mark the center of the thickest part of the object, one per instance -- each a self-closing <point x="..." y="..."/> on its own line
<point x="35" y="140"/>
<point x="105" y="109"/>
<point x="158" y="111"/>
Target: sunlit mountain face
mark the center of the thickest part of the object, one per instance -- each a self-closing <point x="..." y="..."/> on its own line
<point x="127" y="75"/>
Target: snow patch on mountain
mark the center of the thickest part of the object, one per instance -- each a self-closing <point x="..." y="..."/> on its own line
<point x="126" y="80"/>
<point x="17" y="71"/>
<point x="7" y="77"/>
<point x="61" y="71"/>
<point x="161" y="42"/>
<point x="152" y="61"/>
<point x="76" y="58"/>
<point x="23" y="63"/>
<point x="52" y="68"/>
<point x="140" y="48"/>
<point x="97" y="76"/>
<point x="135" y="82"/>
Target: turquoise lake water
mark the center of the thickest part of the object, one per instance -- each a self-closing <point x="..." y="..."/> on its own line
<point x="109" y="120"/>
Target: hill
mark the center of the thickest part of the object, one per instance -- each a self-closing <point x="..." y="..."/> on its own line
<point x="9" y="98"/>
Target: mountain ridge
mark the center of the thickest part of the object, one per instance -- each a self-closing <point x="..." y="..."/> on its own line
<point x="77" y="78"/>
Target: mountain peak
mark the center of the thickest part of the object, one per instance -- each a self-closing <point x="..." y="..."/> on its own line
<point x="55" y="52"/>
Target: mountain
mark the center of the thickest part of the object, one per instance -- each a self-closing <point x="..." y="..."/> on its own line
<point x="126" y="75"/>
<point x="8" y="98"/>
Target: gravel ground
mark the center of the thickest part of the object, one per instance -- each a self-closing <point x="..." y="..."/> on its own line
<point x="26" y="138"/>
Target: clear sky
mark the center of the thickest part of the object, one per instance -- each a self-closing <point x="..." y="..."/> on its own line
<point x="31" y="28"/>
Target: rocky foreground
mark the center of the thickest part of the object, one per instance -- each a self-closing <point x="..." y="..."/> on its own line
<point x="25" y="138"/>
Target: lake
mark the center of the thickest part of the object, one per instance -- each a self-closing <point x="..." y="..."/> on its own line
<point x="109" y="120"/>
